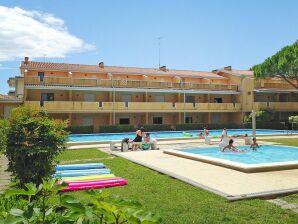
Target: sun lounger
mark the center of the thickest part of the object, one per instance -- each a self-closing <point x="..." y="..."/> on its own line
<point x="117" y="145"/>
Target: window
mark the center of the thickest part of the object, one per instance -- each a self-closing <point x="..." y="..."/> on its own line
<point x="87" y="121"/>
<point x="41" y="76"/>
<point x="89" y="97"/>
<point x="124" y="120"/>
<point x="190" y="99"/>
<point x="46" y="97"/>
<point x="157" y="120"/>
<point x="159" y="98"/>
<point x="217" y="100"/>
<point x="126" y="98"/>
<point x="188" y="120"/>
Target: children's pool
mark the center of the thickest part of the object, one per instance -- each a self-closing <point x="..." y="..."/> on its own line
<point x="264" y="154"/>
<point x="266" y="158"/>
<point x="170" y="134"/>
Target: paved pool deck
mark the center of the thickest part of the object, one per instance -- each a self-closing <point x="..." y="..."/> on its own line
<point x="231" y="184"/>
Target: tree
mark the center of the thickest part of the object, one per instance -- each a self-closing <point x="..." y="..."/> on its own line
<point x="3" y="135"/>
<point x="293" y="120"/>
<point x="261" y="116"/>
<point x="284" y="64"/>
<point x="33" y="142"/>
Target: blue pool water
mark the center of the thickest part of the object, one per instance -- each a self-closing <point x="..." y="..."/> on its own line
<point x="264" y="154"/>
<point x="169" y="134"/>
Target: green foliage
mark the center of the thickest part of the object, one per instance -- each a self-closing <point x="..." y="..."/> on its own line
<point x="283" y="64"/>
<point x="221" y="126"/>
<point x="157" y="127"/>
<point x="293" y="120"/>
<point x="33" y="205"/>
<point x="183" y="127"/>
<point x="116" y="128"/>
<point x="261" y="116"/>
<point x="266" y="125"/>
<point x="3" y="135"/>
<point x="73" y="129"/>
<point x="33" y="142"/>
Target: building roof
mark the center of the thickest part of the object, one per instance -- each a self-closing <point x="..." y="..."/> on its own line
<point x="33" y="65"/>
<point x="7" y="98"/>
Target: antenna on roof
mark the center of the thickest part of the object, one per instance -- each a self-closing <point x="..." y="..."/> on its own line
<point x="159" y="38"/>
<point x="44" y="57"/>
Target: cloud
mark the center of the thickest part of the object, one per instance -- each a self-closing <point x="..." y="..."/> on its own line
<point x="35" y="34"/>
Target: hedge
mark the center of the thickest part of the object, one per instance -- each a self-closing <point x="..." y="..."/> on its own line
<point x="157" y="127"/>
<point x="221" y="126"/>
<point x="267" y="125"/>
<point x="184" y="127"/>
<point x="80" y="129"/>
<point x="116" y="128"/>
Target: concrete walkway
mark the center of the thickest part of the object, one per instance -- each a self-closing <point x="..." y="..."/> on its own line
<point x="231" y="184"/>
<point x="4" y="176"/>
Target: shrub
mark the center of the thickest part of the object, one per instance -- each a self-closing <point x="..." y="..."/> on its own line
<point x="3" y="135"/>
<point x="157" y="127"/>
<point x="116" y="128"/>
<point x="33" y="142"/>
<point x="293" y="120"/>
<point x="183" y="127"/>
<point x="261" y="116"/>
<point x="73" y="129"/>
<point x="221" y="126"/>
<point x="35" y="204"/>
<point x="265" y="125"/>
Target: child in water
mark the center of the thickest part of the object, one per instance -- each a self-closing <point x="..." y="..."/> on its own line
<point x="231" y="148"/>
<point x="254" y="144"/>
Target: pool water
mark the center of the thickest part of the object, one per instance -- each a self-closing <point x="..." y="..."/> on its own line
<point x="264" y="154"/>
<point x="171" y="134"/>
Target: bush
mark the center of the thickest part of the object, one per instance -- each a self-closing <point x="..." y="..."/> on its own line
<point x="221" y="126"/>
<point x="183" y="127"/>
<point x="40" y="204"/>
<point x="293" y="120"/>
<point x="265" y="125"/>
<point x="157" y="127"/>
<point x="116" y="128"/>
<point x="3" y="135"/>
<point x="261" y="116"/>
<point x="33" y="142"/>
<point x="73" y="129"/>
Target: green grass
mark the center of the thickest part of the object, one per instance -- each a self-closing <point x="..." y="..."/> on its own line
<point x="284" y="141"/>
<point x="292" y="142"/>
<point x="81" y="154"/>
<point x="178" y="202"/>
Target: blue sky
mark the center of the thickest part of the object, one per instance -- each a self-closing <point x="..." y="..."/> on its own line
<point x="197" y="35"/>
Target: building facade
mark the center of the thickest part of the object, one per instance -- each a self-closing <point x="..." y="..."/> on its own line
<point x="107" y="95"/>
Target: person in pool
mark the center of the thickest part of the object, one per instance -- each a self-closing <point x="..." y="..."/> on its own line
<point x="139" y="136"/>
<point x="231" y="148"/>
<point x="254" y="144"/>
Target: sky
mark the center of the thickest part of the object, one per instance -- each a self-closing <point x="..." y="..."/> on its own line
<point x="194" y="34"/>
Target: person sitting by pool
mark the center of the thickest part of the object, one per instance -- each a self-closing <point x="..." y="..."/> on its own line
<point x="139" y="136"/>
<point x="231" y="148"/>
<point x="254" y="144"/>
<point x="147" y="142"/>
<point x="200" y="135"/>
<point x="240" y="136"/>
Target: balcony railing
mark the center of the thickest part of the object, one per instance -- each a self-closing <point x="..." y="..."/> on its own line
<point x="119" y="83"/>
<point x="277" y="106"/>
<point x="272" y="85"/>
<point x="78" y="106"/>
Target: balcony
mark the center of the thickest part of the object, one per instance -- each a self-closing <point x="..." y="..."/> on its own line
<point x="259" y="84"/>
<point x="277" y="106"/>
<point x="117" y="83"/>
<point x="84" y="107"/>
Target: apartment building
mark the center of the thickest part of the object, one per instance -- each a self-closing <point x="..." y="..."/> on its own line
<point x="100" y="95"/>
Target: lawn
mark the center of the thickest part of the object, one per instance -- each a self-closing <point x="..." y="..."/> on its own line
<point x="284" y="141"/>
<point x="81" y="154"/>
<point x="178" y="202"/>
<point x="292" y="142"/>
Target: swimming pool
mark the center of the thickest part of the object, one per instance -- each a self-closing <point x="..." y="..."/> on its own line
<point x="170" y="134"/>
<point x="266" y="158"/>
